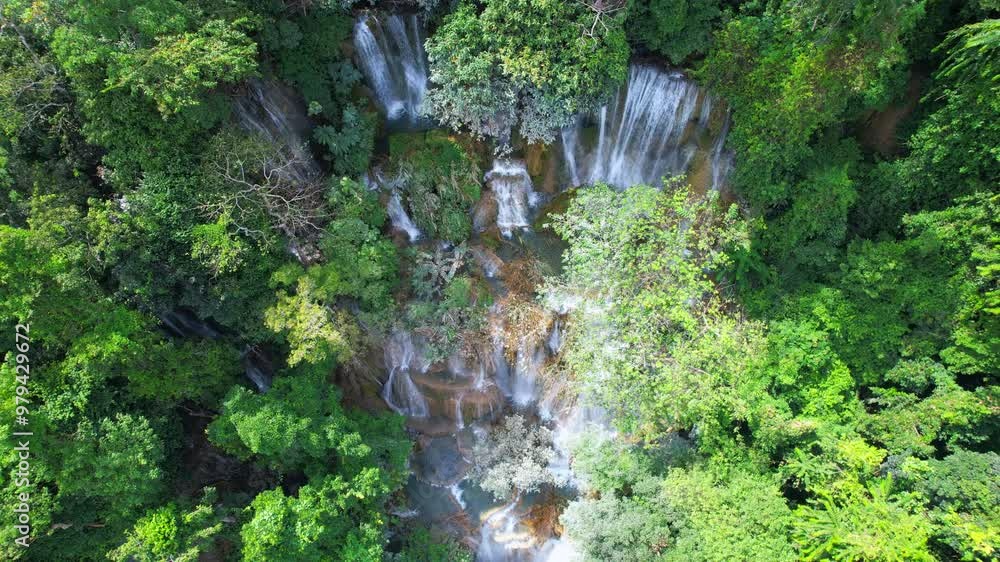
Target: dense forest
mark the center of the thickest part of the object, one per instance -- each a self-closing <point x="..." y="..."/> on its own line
<point x="500" y="280"/>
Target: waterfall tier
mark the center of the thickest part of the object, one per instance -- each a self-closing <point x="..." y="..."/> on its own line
<point x="275" y="112"/>
<point x="400" y="220"/>
<point x="513" y="192"/>
<point x="390" y="52"/>
<point x="659" y="124"/>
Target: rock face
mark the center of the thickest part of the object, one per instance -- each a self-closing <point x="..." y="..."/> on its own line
<point x="275" y="112"/>
<point x="484" y="214"/>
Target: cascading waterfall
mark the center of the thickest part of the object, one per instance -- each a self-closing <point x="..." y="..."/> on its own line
<point x="400" y="220"/>
<point x="400" y="393"/>
<point x="514" y="194"/>
<point x="659" y="124"/>
<point x="273" y="111"/>
<point x="390" y="51"/>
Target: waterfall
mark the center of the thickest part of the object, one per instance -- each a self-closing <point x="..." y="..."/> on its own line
<point x="659" y="124"/>
<point x="273" y="111"/>
<point x="400" y="393"/>
<point x="721" y="159"/>
<point x="185" y="324"/>
<point x="257" y="369"/>
<point x="514" y="194"/>
<point x="390" y="51"/>
<point x="554" y="342"/>
<point x="400" y="220"/>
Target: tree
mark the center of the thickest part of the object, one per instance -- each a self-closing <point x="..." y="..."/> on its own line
<point x="315" y="333"/>
<point x="306" y="47"/>
<point x="261" y="191"/>
<point x="675" y="29"/>
<point x="158" y="90"/>
<point x="964" y="499"/>
<point x="533" y="64"/>
<point x="331" y="518"/>
<point x="178" y="532"/>
<point x="440" y="183"/>
<point x="514" y="458"/>
<point x="645" y="257"/>
<point x="867" y="525"/>
<point x="117" y="463"/>
<point x="793" y="68"/>
<point x="686" y="514"/>
<point x="299" y="425"/>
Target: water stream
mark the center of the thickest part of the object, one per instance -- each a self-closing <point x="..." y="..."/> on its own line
<point x="659" y="124"/>
<point x="390" y="51"/>
<point x="276" y="113"/>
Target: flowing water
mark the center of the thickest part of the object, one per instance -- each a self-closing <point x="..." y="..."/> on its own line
<point x="390" y="52"/>
<point x="402" y="358"/>
<point x="400" y="220"/>
<point x="659" y="124"/>
<point x="514" y="194"/>
<point x="275" y="112"/>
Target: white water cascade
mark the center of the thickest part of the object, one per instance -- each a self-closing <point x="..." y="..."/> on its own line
<point x="390" y="51"/>
<point x="400" y="220"/>
<point x="514" y="194"/>
<point x="402" y="356"/>
<point x="273" y="111"/>
<point x="659" y="124"/>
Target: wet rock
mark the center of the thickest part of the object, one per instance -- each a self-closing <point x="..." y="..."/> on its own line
<point x="439" y="461"/>
<point x="487" y="259"/>
<point x="484" y="215"/>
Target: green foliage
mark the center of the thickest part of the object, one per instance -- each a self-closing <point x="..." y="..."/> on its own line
<point x="648" y="254"/>
<point x="175" y="532"/>
<point x="174" y="71"/>
<point x="953" y="151"/>
<point x="674" y="29"/>
<point x="532" y="64"/>
<point x="314" y="332"/>
<point x="850" y="415"/>
<point x="967" y="234"/>
<point x="116" y="464"/>
<point x="151" y="243"/>
<point x="964" y="497"/>
<point x="868" y="525"/>
<point x="451" y="307"/>
<point x="350" y="145"/>
<point x="686" y="514"/>
<point x="740" y="517"/>
<point x="194" y="370"/>
<point x="441" y="183"/>
<point x="945" y="417"/>
<point x="145" y="73"/>
<point x="331" y="518"/>
<point x="299" y="425"/>
<point x="808" y="234"/>
<point x="306" y="49"/>
<point x="216" y="247"/>
<point x="629" y="529"/>
<point x="420" y="545"/>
